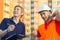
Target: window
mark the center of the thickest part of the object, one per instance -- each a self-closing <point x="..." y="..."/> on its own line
<point x="27" y="19"/>
<point x="50" y="3"/>
<point x="32" y="25"/>
<point x="36" y="20"/>
<point x="58" y="2"/>
<point x="6" y="8"/>
<point x="7" y="2"/>
<point x="27" y="10"/>
<point x="32" y="15"/>
<point x="36" y="3"/>
<point x="6" y="15"/>
<point x="21" y="0"/>
<point x="32" y="9"/>
<point x="27" y="4"/>
<point x="32" y="20"/>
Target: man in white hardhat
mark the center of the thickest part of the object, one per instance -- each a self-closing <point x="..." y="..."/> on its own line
<point x="44" y="7"/>
<point x="47" y="30"/>
<point x="45" y="12"/>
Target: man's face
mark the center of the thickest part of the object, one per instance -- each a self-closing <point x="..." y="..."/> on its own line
<point x="45" y="15"/>
<point x="17" y="11"/>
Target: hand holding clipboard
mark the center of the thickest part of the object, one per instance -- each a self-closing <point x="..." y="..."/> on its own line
<point x="11" y="28"/>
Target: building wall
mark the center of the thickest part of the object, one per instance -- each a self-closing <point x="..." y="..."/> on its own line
<point x="31" y="18"/>
<point x="27" y="15"/>
<point x="1" y="10"/>
<point x="6" y="8"/>
<point x="55" y="4"/>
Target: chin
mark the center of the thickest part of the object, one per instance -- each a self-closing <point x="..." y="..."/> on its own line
<point x="15" y="15"/>
<point x="45" y="20"/>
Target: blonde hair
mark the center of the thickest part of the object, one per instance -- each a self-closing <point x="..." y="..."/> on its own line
<point x="19" y="7"/>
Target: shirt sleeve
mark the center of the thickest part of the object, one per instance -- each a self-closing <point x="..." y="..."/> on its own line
<point x="22" y="34"/>
<point x="3" y="24"/>
<point x="23" y="31"/>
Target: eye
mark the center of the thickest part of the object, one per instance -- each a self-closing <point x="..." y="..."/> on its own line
<point x="17" y="9"/>
<point x="43" y="13"/>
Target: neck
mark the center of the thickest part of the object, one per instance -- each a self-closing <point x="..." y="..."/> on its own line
<point x="16" y="19"/>
<point x="47" y="21"/>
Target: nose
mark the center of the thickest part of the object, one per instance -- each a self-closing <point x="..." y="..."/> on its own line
<point x="43" y="15"/>
<point x="15" y="10"/>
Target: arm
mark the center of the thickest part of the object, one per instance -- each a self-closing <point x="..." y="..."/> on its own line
<point x="4" y="29"/>
<point x="4" y="32"/>
<point x="22" y="34"/>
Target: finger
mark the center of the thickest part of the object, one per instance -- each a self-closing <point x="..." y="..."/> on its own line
<point x="12" y="26"/>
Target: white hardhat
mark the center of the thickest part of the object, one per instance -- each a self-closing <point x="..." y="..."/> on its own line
<point x="44" y="7"/>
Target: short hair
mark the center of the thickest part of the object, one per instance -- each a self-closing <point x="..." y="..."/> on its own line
<point x="19" y="7"/>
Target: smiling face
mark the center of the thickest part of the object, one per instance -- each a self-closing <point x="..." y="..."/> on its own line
<point x="45" y="15"/>
<point x="17" y="11"/>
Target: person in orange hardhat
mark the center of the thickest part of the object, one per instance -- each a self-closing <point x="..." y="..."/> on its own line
<point x="47" y="31"/>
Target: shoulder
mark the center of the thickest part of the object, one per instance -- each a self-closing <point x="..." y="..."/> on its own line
<point x="40" y="27"/>
<point x="22" y="23"/>
<point x="6" y="18"/>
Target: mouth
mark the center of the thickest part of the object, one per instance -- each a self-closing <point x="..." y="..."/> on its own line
<point x="15" y="13"/>
<point x="45" y="18"/>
